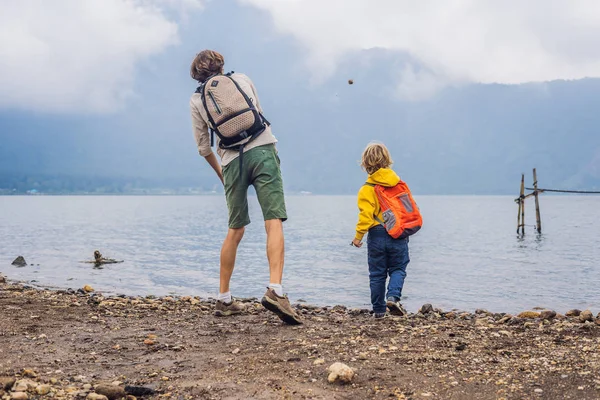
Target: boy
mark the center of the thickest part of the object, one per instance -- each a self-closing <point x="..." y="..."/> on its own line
<point x="386" y="255"/>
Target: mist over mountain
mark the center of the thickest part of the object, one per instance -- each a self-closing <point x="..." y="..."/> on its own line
<point x="466" y="138"/>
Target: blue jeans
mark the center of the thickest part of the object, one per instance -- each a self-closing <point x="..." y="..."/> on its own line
<point x="387" y="257"/>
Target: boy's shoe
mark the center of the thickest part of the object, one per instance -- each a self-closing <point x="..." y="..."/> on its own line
<point x="378" y="315"/>
<point x="280" y="306"/>
<point x="395" y="307"/>
<point x="226" y="309"/>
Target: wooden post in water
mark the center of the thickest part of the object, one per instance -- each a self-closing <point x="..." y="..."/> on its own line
<point x="520" y="201"/>
<point x="522" y="204"/>
<point x="538" y="219"/>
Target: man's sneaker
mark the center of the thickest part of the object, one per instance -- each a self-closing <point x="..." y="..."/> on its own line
<point x="280" y="306"/>
<point x="395" y="307"/>
<point x="378" y="315"/>
<point x="226" y="309"/>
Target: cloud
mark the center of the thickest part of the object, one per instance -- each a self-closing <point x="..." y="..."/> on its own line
<point x="449" y="42"/>
<point x="69" y="56"/>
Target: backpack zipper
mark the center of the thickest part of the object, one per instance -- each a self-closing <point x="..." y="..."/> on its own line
<point x="215" y="102"/>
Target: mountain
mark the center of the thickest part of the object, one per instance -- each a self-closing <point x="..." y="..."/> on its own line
<point x="475" y="139"/>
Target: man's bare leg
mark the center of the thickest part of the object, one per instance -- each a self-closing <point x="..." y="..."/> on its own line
<point x="273" y="301"/>
<point x="228" y="253"/>
<point x="275" y="249"/>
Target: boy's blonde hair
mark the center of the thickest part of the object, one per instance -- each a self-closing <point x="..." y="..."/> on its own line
<point x="374" y="157"/>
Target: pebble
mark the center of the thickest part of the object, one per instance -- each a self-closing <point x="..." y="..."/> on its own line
<point x="586" y="316"/>
<point x="236" y="350"/>
<point x="19" y="396"/>
<point x="340" y="372"/>
<point x="319" y="361"/>
<point x="88" y="289"/>
<point x="362" y="356"/>
<point x="539" y="391"/>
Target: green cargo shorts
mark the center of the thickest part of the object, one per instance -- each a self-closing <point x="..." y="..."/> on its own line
<point x="260" y="168"/>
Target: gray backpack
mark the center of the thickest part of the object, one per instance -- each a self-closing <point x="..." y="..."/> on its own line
<point x="231" y="113"/>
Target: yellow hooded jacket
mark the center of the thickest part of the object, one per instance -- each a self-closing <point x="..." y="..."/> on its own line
<point x="368" y="205"/>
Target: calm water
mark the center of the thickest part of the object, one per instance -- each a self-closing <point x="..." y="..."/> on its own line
<point x="466" y="256"/>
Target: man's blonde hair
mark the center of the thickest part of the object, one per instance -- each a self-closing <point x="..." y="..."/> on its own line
<point x="374" y="157"/>
<point x="206" y="63"/>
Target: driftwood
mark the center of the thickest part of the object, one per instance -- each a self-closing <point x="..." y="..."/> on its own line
<point x="100" y="260"/>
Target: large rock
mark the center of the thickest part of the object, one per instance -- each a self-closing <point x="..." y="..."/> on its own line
<point x="19" y="262"/>
<point x="2" y="279"/>
<point x="573" y="313"/>
<point x="340" y="372"/>
<point x="24" y="385"/>
<point x="426" y="309"/>
<point x="43" y="389"/>
<point x="548" y="314"/>
<point x="6" y="382"/>
<point x="19" y="396"/>
<point x="529" y="314"/>
<point x="96" y="396"/>
<point x="586" y="316"/>
<point x="111" y="392"/>
<point x="139" y="390"/>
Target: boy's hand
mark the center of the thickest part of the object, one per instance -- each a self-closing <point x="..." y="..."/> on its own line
<point x="356" y="242"/>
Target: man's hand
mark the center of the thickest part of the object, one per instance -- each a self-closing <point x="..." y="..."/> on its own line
<point x="211" y="159"/>
<point x="356" y="242"/>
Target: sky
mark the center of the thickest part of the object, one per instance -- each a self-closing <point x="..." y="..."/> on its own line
<point x="86" y="53"/>
<point x="113" y="74"/>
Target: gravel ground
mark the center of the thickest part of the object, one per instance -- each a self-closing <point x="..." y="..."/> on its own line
<point x="76" y="344"/>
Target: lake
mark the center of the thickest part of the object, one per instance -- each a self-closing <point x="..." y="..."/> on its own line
<point x="467" y="255"/>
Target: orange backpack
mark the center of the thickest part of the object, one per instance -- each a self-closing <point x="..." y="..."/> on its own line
<point x="401" y="215"/>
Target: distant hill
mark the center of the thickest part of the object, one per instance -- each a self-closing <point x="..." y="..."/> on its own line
<point x="475" y="139"/>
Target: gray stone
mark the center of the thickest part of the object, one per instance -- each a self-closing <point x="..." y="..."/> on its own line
<point x="426" y="309"/>
<point x="19" y="262"/>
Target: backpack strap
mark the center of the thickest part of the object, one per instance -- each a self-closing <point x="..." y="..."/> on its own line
<point x="375" y="217"/>
<point x="202" y="91"/>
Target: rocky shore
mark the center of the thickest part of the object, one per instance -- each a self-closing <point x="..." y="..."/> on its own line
<point x="79" y="344"/>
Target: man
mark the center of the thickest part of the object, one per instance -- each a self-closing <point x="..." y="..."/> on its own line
<point x="254" y="161"/>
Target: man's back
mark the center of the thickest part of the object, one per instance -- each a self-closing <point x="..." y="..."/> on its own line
<point x="200" y="123"/>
